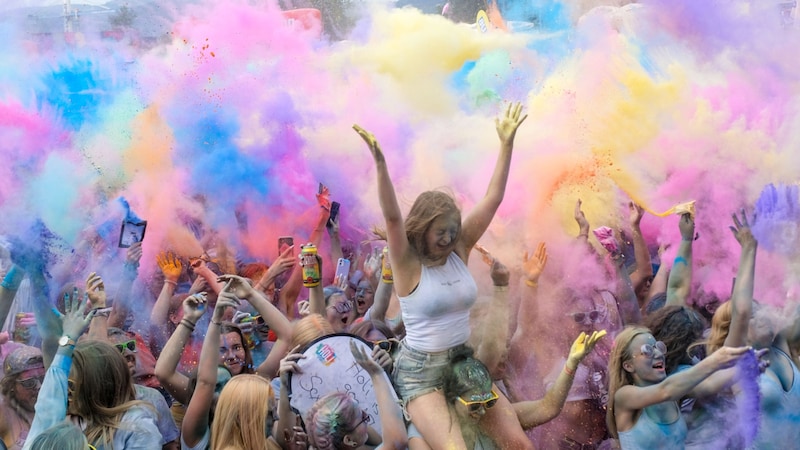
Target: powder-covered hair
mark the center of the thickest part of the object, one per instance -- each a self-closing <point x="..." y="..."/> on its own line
<point x="308" y="328"/>
<point x="330" y="419"/>
<point x="244" y="414"/>
<point x="678" y="327"/>
<point x="617" y="375"/>
<point x="63" y="436"/>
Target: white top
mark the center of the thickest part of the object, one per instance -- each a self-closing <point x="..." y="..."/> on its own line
<point x="436" y="313"/>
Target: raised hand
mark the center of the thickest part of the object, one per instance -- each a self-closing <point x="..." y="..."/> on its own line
<point x="226" y="299"/>
<point x="170" y="266"/>
<point x="284" y="262"/>
<point x="500" y="274"/>
<point x="372" y="265"/>
<point x="584" y="345"/>
<point x="75" y="321"/>
<point x="96" y="290"/>
<point x="727" y="356"/>
<point x="533" y="267"/>
<point x="194" y="306"/>
<point x="686" y="225"/>
<point x="507" y="124"/>
<point x="636" y="214"/>
<point x="236" y="285"/>
<point x="324" y="198"/>
<point x="372" y="143"/>
<point x="296" y="438"/>
<point x="289" y="365"/>
<point x="382" y="357"/>
<point x="364" y="360"/>
<point x="134" y="254"/>
<point x="741" y="231"/>
<point x="580" y="218"/>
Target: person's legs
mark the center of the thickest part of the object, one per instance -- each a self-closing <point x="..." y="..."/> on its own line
<point x="429" y="413"/>
<point x="501" y="424"/>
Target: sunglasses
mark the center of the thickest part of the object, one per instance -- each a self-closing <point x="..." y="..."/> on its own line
<point x="475" y="406"/>
<point x="32" y="382"/>
<point x="364" y="418"/>
<point x="130" y="345"/>
<point x="581" y="317"/>
<point x="649" y="350"/>
<point x="343" y="307"/>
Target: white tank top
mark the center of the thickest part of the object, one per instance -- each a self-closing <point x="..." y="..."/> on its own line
<point x="436" y="314"/>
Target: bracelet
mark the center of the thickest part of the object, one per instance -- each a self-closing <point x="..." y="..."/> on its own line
<point x="569" y="371"/>
<point x="531" y="283"/>
<point x="219" y="324"/>
<point x="187" y="324"/>
<point x="679" y="260"/>
<point x="174" y="283"/>
<point x="102" y="312"/>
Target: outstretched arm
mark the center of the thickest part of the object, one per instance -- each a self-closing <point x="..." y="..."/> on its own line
<point x="537" y="412"/>
<point x="742" y="297"/>
<point x="679" y="283"/>
<point x="478" y="219"/>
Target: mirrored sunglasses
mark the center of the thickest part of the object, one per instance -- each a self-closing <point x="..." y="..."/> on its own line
<point x="586" y="317"/>
<point x="649" y="350"/>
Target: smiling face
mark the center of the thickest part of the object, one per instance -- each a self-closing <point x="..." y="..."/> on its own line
<point x="441" y="236"/>
<point x="647" y="364"/>
<point x="231" y="352"/>
<point x="340" y="312"/>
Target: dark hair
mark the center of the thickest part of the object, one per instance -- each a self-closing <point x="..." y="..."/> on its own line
<point x="678" y="327"/>
<point x="454" y="385"/>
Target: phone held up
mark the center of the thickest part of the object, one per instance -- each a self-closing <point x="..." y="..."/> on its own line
<point x="342" y="271"/>
<point x="131" y="232"/>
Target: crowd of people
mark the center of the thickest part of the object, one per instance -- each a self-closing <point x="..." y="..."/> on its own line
<point x="204" y="354"/>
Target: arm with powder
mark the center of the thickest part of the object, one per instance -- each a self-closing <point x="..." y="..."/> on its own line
<point x="679" y="282"/>
<point x="490" y="340"/>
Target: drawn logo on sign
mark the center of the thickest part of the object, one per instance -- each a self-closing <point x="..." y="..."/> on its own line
<point x="325" y="354"/>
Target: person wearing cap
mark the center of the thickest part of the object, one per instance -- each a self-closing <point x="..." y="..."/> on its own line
<point x="23" y="371"/>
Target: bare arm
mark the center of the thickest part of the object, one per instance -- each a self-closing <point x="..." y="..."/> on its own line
<point x="121" y="306"/>
<point x="679" y="283"/>
<point x="627" y="301"/>
<point x="644" y="270"/>
<point x="8" y="290"/>
<point x="537" y="412"/>
<point x="491" y="345"/>
<point x="478" y="219"/>
<point x="742" y="298"/>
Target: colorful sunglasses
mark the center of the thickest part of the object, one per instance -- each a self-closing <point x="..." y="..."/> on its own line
<point x="130" y="345"/>
<point x="475" y="406"/>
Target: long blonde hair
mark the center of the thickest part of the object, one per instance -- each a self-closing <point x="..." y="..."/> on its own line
<point x="241" y="418"/>
<point x="617" y="375"/>
<point x="720" y="327"/>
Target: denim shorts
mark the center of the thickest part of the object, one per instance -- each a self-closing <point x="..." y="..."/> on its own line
<point x="418" y="373"/>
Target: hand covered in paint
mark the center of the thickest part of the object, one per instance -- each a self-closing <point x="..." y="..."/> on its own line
<point x="364" y="360"/>
<point x="508" y="124"/>
<point x="372" y="143"/>
<point x="383" y="358"/>
<point x="741" y="231"/>
<point x="96" y="290"/>
<point x="686" y="225"/>
<point x="75" y="321"/>
<point x="194" y="306"/>
<point x="763" y="361"/>
<point x="580" y="218"/>
<point x="372" y="265"/>
<point x="636" y="214"/>
<point x="500" y="274"/>
<point x="199" y="285"/>
<point x="726" y="357"/>
<point x="533" y="267"/>
<point x="582" y="346"/>
<point x="170" y="266"/>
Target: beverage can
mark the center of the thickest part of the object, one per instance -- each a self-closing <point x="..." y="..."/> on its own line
<point x="21" y="332"/>
<point x="310" y="265"/>
<point x="386" y="267"/>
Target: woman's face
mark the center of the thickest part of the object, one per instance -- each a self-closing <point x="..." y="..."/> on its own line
<point x="587" y="313"/>
<point x="647" y="363"/>
<point x="440" y="238"/>
<point x="231" y="352"/>
<point x="340" y="312"/>
<point x="365" y="297"/>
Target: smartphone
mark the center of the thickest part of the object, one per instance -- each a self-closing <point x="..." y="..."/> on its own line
<point x="320" y="188"/>
<point x="334" y="213"/>
<point x="342" y="270"/>
<point x="131" y="232"/>
<point x="284" y="242"/>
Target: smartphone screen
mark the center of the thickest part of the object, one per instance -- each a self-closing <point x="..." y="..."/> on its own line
<point x="342" y="269"/>
<point x="334" y="213"/>
<point x="131" y="233"/>
<point x="284" y="242"/>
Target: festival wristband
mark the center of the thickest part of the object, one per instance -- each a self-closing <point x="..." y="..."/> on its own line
<point x="680" y="260"/>
<point x="13" y="278"/>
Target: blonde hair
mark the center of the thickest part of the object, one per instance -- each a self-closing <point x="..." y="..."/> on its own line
<point x="617" y="375"/>
<point x="720" y="327"/>
<point x="308" y="328"/>
<point x="241" y="417"/>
